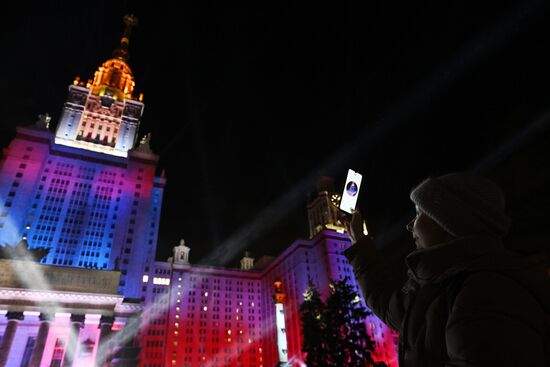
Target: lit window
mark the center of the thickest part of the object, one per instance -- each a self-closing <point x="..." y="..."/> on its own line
<point x="161" y="281"/>
<point x="145" y="278"/>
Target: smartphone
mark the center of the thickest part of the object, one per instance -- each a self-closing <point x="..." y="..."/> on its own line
<point x="351" y="191"/>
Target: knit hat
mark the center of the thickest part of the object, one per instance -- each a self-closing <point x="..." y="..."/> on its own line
<point x="463" y="204"/>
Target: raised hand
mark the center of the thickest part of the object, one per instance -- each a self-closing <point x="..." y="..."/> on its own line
<point x="354" y="227"/>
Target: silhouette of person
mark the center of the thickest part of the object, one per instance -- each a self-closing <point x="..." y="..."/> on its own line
<point x="466" y="301"/>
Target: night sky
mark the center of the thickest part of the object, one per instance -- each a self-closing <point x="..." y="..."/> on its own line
<point x="249" y="105"/>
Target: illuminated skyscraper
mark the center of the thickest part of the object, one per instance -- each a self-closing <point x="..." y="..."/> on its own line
<point x="88" y="192"/>
<point x="91" y="195"/>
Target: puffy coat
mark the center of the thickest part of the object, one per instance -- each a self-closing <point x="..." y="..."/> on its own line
<point x="468" y="302"/>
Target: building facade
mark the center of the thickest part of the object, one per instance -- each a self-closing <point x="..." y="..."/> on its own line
<point x="200" y="316"/>
<point x="61" y="316"/>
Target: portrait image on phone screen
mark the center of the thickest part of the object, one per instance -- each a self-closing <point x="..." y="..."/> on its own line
<point x="351" y="191"/>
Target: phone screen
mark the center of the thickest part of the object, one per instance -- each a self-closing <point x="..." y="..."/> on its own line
<point x="351" y="191"/>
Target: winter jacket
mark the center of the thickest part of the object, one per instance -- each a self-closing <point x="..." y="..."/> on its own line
<point x="467" y="302"/>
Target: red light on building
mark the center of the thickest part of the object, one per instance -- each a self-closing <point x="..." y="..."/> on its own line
<point x="279" y="296"/>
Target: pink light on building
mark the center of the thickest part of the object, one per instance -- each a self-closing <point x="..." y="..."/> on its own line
<point x="221" y="317"/>
<point x="94" y="202"/>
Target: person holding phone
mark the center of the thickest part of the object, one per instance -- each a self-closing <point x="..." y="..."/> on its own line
<point x="465" y="300"/>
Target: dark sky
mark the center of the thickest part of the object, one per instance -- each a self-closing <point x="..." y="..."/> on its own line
<point x="248" y="105"/>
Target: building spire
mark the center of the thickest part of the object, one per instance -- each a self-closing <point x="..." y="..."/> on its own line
<point x="121" y="52"/>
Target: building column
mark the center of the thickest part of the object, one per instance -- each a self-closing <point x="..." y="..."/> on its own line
<point x="77" y="322"/>
<point x="43" y="330"/>
<point x="103" y="349"/>
<point x="9" y="334"/>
